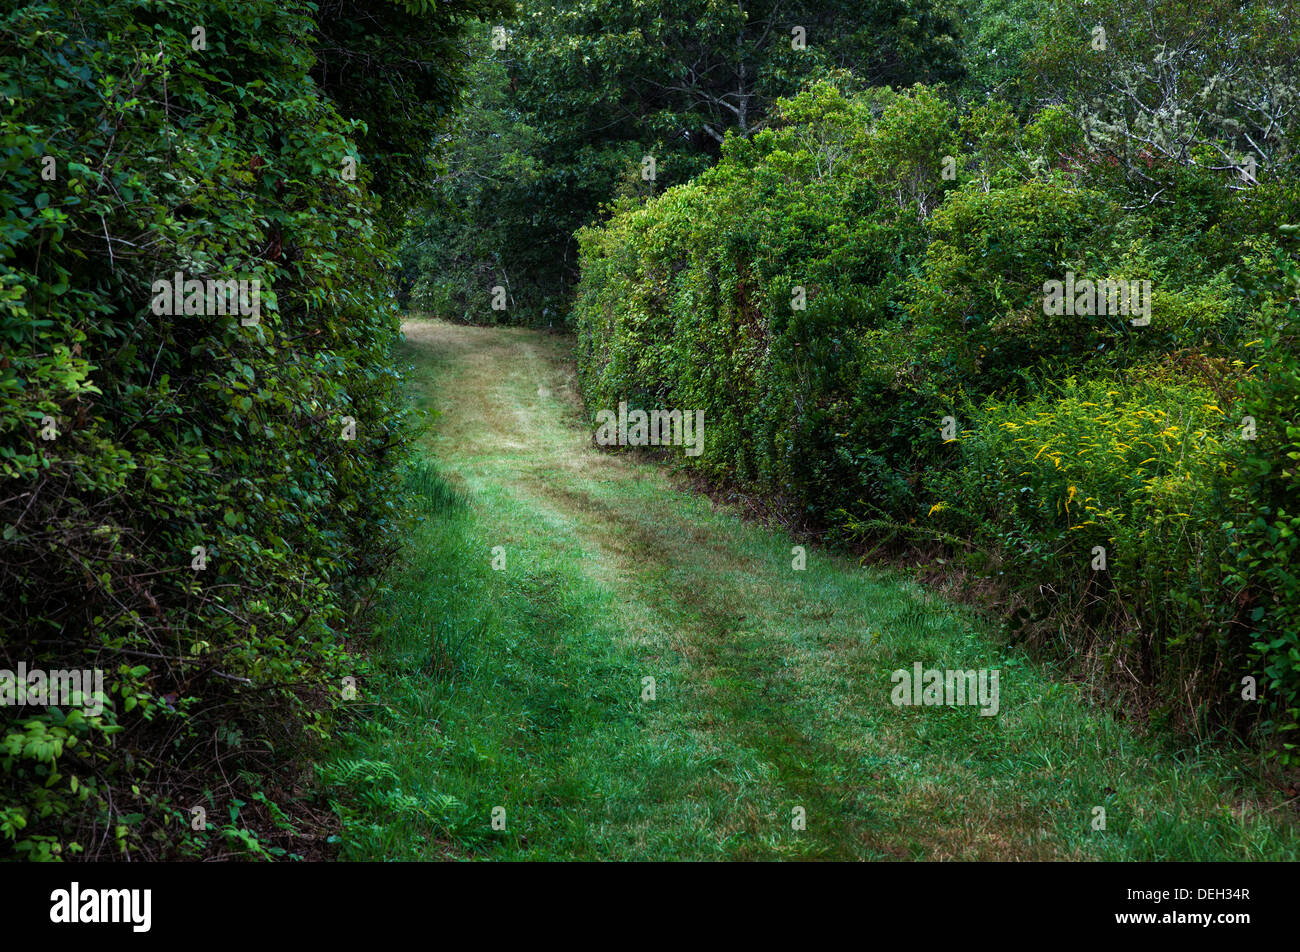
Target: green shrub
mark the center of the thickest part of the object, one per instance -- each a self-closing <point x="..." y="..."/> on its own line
<point x="687" y="301"/>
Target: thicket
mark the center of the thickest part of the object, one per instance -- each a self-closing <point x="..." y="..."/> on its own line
<point x="183" y="505"/>
<point x="855" y="296"/>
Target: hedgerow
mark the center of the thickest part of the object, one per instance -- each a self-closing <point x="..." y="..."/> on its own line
<point x="193" y="503"/>
<point x="867" y="334"/>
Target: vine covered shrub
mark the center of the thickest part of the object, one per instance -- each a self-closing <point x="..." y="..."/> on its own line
<point x="184" y="497"/>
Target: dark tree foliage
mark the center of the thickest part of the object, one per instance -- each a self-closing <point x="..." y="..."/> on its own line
<point x="395" y="67"/>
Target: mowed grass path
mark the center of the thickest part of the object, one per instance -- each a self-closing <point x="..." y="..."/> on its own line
<point x="521" y="690"/>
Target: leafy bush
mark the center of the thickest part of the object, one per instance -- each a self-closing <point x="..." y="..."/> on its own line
<point x="688" y="301"/>
<point x="180" y="509"/>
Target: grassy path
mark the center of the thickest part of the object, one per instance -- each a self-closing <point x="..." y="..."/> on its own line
<point x="522" y="688"/>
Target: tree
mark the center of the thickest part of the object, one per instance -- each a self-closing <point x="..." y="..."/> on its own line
<point x="1167" y="84"/>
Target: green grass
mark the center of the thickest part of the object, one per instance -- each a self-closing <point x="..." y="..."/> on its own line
<point x="521" y="688"/>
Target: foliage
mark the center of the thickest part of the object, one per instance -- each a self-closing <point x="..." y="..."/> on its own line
<point x="587" y="90"/>
<point x="207" y="138"/>
<point x="1160" y="84"/>
<point x="1266" y="525"/>
<point x="925" y="302"/>
<point x="1106" y="497"/>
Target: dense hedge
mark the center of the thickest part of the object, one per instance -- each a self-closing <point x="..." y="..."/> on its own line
<point x="181" y="505"/>
<point x="925" y="300"/>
